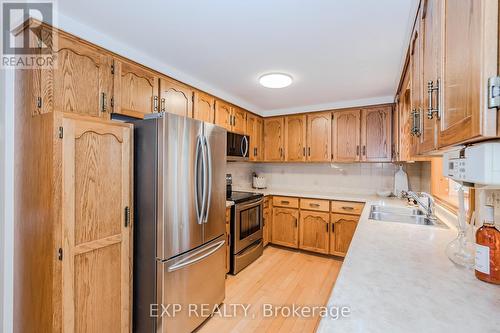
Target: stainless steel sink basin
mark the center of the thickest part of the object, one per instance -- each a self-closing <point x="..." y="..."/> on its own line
<point x="403" y="215"/>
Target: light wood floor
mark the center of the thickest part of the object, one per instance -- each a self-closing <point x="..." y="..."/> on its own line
<point x="279" y="277"/>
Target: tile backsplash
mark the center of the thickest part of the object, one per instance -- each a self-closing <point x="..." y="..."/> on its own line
<point x="334" y="177"/>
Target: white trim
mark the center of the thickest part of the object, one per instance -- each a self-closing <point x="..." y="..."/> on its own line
<point x="330" y="106"/>
<point x="7" y="201"/>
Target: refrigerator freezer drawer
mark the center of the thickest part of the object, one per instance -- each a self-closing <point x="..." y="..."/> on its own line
<point x="194" y="281"/>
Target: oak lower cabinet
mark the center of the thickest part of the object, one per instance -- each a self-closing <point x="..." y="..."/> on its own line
<point x="176" y="97"/>
<point x="314" y="231"/>
<point x="285" y="227"/>
<point x="204" y="107"/>
<point x="376" y="140"/>
<point x="267" y="221"/>
<point x="135" y="89"/>
<point x="341" y="232"/>
<point x="346" y="135"/>
<point x="73" y="234"/>
<point x="295" y="138"/>
<point x="255" y="129"/>
<point x="274" y="139"/>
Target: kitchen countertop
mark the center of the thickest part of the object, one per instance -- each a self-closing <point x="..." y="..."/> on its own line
<point x="229" y="203"/>
<point x="397" y="278"/>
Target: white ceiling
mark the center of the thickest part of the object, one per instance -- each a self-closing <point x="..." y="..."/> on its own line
<point x="340" y="53"/>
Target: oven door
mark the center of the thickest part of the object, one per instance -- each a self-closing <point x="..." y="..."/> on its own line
<point x="237" y="147"/>
<point x="247" y="224"/>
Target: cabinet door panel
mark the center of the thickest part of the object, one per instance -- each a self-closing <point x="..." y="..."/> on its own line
<point x="259" y="138"/>
<point x="254" y="130"/>
<point x="176" y="98"/>
<point x="204" y="108"/>
<point x="135" y="90"/>
<point x="376" y="134"/>
<point x="344" y="227"/>
<point x="295" y="138"/>
<point x="80" y="81"/>
<point x="285" y="227"/>
<point x="431" y="59"/>
<point x="96" y="262"/>
<point x="313" y="231"/>
<point x="223" y="114"/>
<point x="346" y="135"/>
<point x="273" y="139"/>
<point x="239" y="120"/>
<point x="468" y="25"/>
<point x="319" y="137"/>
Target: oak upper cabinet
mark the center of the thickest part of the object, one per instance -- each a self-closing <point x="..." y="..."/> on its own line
<point x="204" y="107"/>
<point x="274" y="135"/>
<point x="295" y="138"/>
<point x="97" y="192"/>
<point x="239" y="118"/>
<point x="376" y="125"/>
<point x="341" y="232"/>
<point x="285" y="226"/>
<point x="135" y="89"/>
<point x="176" y="97"/>
<point x="255" y="129"/>
<point x="470" y="58"/>
<point x="346" y="135"/>
<point x="80" y="81"/>
<point x="319" y="137"/>
<point x="430" y="28"/>
<point x="223" y="114"/>
<point x="314" y="231"/>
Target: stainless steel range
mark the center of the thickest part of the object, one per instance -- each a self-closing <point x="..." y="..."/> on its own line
<point x="246" y="229"/>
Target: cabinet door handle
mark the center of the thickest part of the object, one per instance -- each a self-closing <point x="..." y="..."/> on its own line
<point x="285" y="202"/>
<point x="296" y="223"/>
<point x="364" y="150"/>
<point x="430" y="93"/>
<point x="103" y="102"/>
<point x="309" y="151"/>
<point x="357" y="150"/>
<point x="304" y="151"/>
<point x="333" y="227"/>
<point x="155" y="103"/>
<point x="314" y="204"/>
<point x="347" y="208"/>
<point x="163" y="104"/>
<point x="327" y="227"/>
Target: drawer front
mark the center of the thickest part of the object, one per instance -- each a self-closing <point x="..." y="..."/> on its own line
<point x="347" y="207"/>
<point x="286" y="202"/>
<point x="315" y="204"/>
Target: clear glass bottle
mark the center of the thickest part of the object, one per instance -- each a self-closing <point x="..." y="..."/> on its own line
<point x="488" y="249"/>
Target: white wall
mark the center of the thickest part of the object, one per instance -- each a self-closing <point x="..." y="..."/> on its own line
<point x="6" y="199"/>
<point x="345" y="178"/>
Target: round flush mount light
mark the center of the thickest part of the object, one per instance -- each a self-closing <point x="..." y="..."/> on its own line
<point x="275" y="80"/>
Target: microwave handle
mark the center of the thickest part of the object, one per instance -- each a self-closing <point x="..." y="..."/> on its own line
<point x="244" y="146"/>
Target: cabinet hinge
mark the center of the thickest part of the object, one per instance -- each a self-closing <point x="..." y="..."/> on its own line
<point x="127" y="216"/>
<point x="39" y="102"/>
<point x="60" y="254"/>
<point x="113" y="68"/>
<point x="61" y="132"/>
<point x="494" y="92"/>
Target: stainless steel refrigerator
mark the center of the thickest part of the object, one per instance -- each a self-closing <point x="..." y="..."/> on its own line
<point x="179" y="252"/>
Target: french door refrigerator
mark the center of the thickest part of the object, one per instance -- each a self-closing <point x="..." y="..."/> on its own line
<point x="179" y="226"/>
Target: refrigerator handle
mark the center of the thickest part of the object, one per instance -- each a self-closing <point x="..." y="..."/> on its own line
<point x="205" y="180"/>
<point x="208" y="189"/>
<point x="199" y="210"/>
<point x="195" y="257"/>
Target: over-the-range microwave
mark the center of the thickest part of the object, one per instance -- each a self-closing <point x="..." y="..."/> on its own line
<point x="237" y="146"/>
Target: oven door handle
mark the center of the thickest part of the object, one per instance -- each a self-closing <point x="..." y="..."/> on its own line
<point x="249" y="204"/>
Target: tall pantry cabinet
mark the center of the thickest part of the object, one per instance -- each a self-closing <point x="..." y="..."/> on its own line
<point x="73" y="196"/>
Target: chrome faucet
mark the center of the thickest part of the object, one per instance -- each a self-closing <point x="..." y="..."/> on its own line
<point x="428" y="206"/>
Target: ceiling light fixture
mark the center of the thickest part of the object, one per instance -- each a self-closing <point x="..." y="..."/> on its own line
<point x="275" y="80"/>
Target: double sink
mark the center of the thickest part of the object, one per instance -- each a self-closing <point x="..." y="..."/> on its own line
<point x="409" y="215"/>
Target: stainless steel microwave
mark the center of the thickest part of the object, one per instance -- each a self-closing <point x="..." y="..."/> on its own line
<point x="237" y="146"/>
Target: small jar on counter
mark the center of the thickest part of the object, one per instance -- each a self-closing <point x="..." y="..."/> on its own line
<point x="488" y="249"/>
